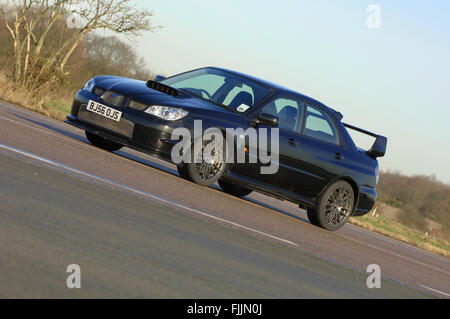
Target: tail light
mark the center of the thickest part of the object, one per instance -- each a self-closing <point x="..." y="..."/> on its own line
<point x="377" y="174"/>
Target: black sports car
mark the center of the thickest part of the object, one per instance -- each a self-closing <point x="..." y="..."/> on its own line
<point x="317" y="164"/>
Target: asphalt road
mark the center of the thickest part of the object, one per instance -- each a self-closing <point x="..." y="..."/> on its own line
<point x="138" y="230"/>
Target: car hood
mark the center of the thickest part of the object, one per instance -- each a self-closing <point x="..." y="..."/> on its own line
<point x="138" y="91"/>
<point x="122" y="85"/>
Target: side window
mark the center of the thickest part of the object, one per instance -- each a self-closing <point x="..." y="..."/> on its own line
<point x="289" y="113"/>
<point x="320" y="126"/>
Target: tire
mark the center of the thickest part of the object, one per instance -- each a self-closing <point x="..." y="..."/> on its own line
<point x="234" y="189"/>
<point x="203" y="173"/>
<point x="102" y="143"/>
<point x="182" y="170"/>
<point x="334" y="206"/>
<point x="312" y="216"/>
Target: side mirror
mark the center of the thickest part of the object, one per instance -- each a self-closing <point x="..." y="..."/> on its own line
<point x="267" y="120"/>
<point x="159" y="78"/>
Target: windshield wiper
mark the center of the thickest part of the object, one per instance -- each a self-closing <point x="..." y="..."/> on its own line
<point x="215" y="103"/>
<point x="190" y="92"/>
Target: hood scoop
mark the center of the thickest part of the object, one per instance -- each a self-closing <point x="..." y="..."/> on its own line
<point x="162" y="88"/>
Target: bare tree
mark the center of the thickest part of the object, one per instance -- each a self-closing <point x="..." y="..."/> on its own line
<point x="108" y="54"/>
<point x="30" y="22"/>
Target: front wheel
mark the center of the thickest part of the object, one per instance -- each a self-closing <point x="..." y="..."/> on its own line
<point x="333" y="207"/>
<point x="234" y="189"/>
<point x="208" y="165"/>
<point x="182" y="170"/>
<point x="102" y="142"/>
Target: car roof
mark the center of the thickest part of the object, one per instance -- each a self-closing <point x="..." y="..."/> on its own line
<point x="281" y="89"/>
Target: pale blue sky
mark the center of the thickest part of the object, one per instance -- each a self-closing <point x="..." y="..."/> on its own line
<point x="394" y="81"/>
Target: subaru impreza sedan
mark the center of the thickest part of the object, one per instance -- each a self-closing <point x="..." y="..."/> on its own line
<point x="317" y="164"/>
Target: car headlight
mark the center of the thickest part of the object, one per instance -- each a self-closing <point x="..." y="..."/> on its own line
<point x="167" y="112"/>
<point x="89" y="86"/>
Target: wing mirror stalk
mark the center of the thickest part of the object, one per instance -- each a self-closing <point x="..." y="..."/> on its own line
<point x="265" y="119"/>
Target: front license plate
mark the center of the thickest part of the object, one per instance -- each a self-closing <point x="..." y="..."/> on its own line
<point x="104" y="111"/>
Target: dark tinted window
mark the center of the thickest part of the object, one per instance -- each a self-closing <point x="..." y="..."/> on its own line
<point x="289" y="113"/>
<point x="319" y="125"/>
<point x="221" y="87"/>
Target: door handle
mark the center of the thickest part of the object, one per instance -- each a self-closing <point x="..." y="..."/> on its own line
<point x="292" y="142"/>
<point x="339" y="156"/>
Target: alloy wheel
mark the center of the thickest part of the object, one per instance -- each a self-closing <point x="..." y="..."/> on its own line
<point x="338" y="206"/>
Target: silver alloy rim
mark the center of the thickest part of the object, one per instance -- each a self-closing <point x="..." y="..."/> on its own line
<point x="338" y="205"/>
<point x="211" y="165"/>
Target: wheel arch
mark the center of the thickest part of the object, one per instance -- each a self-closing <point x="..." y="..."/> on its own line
<point x="349" y="179"/>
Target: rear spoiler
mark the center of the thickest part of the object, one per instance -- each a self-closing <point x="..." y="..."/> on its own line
<point x="378" y="148"/>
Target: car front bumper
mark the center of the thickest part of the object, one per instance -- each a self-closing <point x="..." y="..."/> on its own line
<point x="135" y="129"/>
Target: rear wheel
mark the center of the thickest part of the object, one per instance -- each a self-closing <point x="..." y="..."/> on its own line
<point x="334" y="206"/>
<point x="234" y="189"/>
<point x="102" y="142"/>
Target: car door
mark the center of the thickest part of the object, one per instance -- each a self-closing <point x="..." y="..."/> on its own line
<point x="290" y="114"/>
<point x="323" y="154"/>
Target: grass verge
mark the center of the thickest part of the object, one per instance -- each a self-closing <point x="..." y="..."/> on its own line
<point x="400" y="232"/>
<point x="55" y="107"/>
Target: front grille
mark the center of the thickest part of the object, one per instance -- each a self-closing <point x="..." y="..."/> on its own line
<point x="110" y="97"/>
<point x="99" y="91"/>
<point x="114" y="99"/>
<point x="123" y="127"/>
<point x="162" y="88"/>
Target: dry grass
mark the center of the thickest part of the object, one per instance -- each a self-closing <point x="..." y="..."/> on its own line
<point x="9" y="94"/>
<point x="55" y="107"/>
<point x="400" y="232"/>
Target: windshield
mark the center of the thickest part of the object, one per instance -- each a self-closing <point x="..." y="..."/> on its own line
<point x="220" y="87"/>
